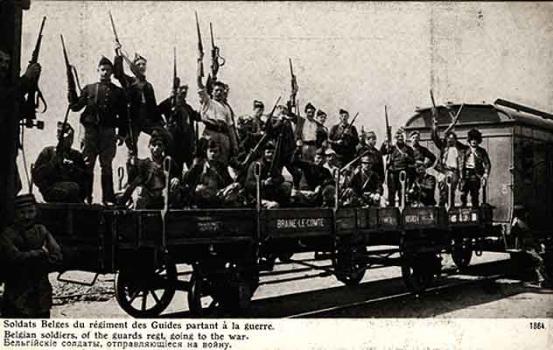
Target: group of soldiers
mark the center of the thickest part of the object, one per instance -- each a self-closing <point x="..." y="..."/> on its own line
<point x="218" y="167"/>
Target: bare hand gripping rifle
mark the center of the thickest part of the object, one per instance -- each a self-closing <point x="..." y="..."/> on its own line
<point x="217" y="60"/>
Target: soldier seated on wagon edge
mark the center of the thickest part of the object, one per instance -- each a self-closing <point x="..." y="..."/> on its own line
<point x="60" y="172"/>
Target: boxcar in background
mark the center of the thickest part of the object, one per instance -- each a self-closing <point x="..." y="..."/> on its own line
<point x="519" y="141"/>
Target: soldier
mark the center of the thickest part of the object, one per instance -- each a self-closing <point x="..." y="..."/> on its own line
<point x="331" y="161"/>
<point x="275" y="192"/>
<point x="29" y="250"/>
<point x="319" y="189"/>
<point x="522" y="231"/>
<point x="423" y="188"/>
<point x="180" y="124"/>
<point x="148" y="174"/>
<point x="365" y="186"/>
<point x="450" y="161"/>
<point x="343" y="139"/>
<point x="142" y="110"/>
<point x="306" y="132"/>
<point x="375" y="156"/>
<point x="104" y="112"/>
<point x="207" y="178"/>
<point x="422" y="154"/>
<point x="402" y="158"/>
<point x="60" y="172"/>
<point x="322" y="130"/>
<point x="217" y="117"/>
<point x="475" y="169"/>
<point x="258" y="123"/>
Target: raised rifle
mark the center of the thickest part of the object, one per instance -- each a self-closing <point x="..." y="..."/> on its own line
<point x="388" y="135"/>
<point x="200" y="48"/>
<point x="216" y="59"/>
<point x="135" y="71"/>
<point x="294" y="87"/>
<point x="246" y="163"/>
<point x="176" y="84"/>
<point x="72" y="84"/>
<point x="34" y="96"/>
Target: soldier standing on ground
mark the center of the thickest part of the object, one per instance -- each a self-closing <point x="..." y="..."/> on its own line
<point x="28" y="249"/>
<point x="104" y="112"/>
<point x="60" y="172"/>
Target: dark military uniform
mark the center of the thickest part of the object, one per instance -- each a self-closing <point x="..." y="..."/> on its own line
<point x="104" y="112"/>
<point x="318" y="180"/>
<point x="401" y="159"/>
<point x="375" y="159"/>
<point x="277" y="190"/>
<point x="205" y="179"/>
<point x="422" y="191"/>
<point x="143" y="110"/>
<point x="346" y="149"/>
<point x="476" y="166"/>
<point x="423" y="155"/>
<point x="180" y="124"/>
<point x="27" y="250"/>
<point x="366" y="187"/>
<point x="61" y="178"/>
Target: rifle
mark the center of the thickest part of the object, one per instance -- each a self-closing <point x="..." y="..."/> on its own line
<point x="294" y="86"/>
<point x="72" y="84"/>
<point x="133" y="68"/>
<point x="245" y="164"/>
<point x="34" y="96"/>
<point x="216" y="59"/>
<point x="348" y="126"/>
<point x="388" y="135"/>
<point x="176" y="83"/>
<point x="200" y="48"/>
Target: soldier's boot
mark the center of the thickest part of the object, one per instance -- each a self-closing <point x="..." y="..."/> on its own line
<point x="108" y="194"/>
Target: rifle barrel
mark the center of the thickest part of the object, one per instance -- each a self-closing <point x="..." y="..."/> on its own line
<point x="113" y="28"/>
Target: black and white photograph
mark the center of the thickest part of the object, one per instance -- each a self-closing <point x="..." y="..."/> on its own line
<point x="257" y="164"/>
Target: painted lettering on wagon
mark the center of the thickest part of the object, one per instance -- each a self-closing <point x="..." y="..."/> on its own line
<point x="300" y="223"/>
<point x="213" y="226"/>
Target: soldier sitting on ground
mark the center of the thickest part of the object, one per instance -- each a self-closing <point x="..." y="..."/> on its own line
<point x="206" y="178"/>
<point x="148" y="174"/>
<point x="319" y="189"/>
<point x="422" y="190"/>
<point x="28" y="250"/>
<point x="60" y="172"/>
<point x="364" y="188"/>
<point x="275" y="192"/>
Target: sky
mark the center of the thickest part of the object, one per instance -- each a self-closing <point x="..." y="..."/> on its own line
<point x="351" y="55"/>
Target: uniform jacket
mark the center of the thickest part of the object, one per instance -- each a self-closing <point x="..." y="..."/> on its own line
<point x="350" y="138"/>
<point x="49" y="169"/>
<point x="400" y="158"/>
<point x="104" y="104"/>
<point x="266" y="173"/>
<point x="481" y="160"/>
<point x="139" y="94"/>
<point x="421" y="153"/>
<point x="377" y="164"/>
<point x="315" y="175"/>
<point x="363" y="182"/>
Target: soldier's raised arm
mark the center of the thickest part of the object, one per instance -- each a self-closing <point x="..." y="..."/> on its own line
<point x="78" y="103"/>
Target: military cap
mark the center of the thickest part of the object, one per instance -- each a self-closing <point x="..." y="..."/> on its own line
<point x="414" y="132"/>
<point x="343" y="111"/>
<point x="137" y="58"/>
<point x="330" y="152"/>
<point x="68" y="130"/>
<point x="24" y="200"/>
<point x="104" y="61"/>
<point x="212" y="144"/>
<point x="258" y="104"/>
<point x="309" y="106"/>
<point x="474" y="134"/>
<point x="365" y="159"/>
<point x="320" y="112"/>
<point x="370" y="134"/>
<point x="400" y="131"/>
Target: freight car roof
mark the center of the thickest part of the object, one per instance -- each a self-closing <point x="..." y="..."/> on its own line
<point x="481" y="114"/>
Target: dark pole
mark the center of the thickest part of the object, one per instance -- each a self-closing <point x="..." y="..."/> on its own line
<point x="10" y="42"/>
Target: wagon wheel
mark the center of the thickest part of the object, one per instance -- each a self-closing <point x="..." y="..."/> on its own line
<point x="418" y="272"/>
<point x="201" y="301"/>
<point x="146" y="294"/>
<point x="461" y="254"/>
<point x="349" y="269"/>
